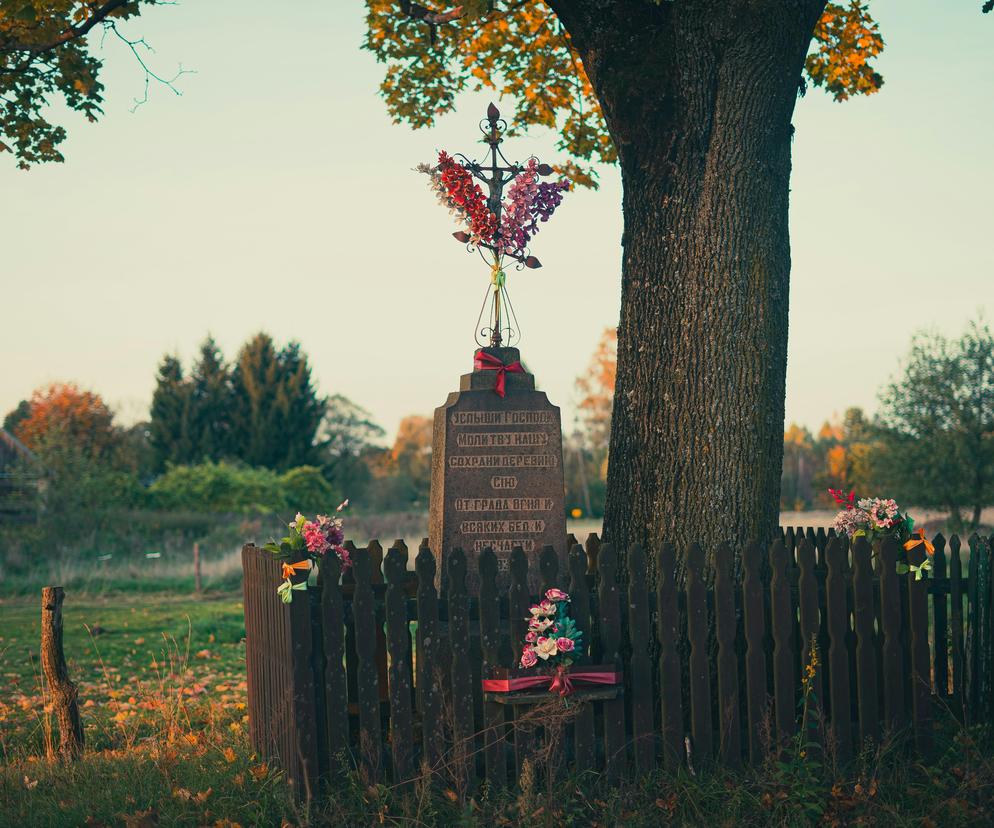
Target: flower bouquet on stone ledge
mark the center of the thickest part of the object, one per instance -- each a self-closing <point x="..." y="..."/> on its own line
<point x="307" y="541"/>
<point x="875" y="519"/>
<point x="552" y="645"/>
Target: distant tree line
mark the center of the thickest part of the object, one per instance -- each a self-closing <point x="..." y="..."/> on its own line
<point x="930" y="444"/>
<point x="248" y="436"/>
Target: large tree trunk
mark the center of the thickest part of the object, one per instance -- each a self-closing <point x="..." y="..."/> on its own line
<point x="698" y="96"/>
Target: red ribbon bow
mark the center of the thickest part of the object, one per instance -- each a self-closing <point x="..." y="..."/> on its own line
<point x="561" y="682"/>
<point x="486" y="362"/>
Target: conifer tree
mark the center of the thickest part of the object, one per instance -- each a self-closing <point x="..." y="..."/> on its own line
<point x="276" y="412"/>
<point x="169" y="422"/>
<point x="210" y="404"/>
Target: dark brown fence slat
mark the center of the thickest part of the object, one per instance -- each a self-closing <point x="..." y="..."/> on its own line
<point x="956" y="623"/>
<point x="640" y="634"/>
<point x="729" y="723"/>
<point x="972" y="629"/>
<point x="890" y="619"/>
<point x="921" y="686"/>
<point x="754" y="623"/>
<point x="810" y="623"/>
<point x="866" y="650"/>
<point x="668" y="632"/>
<point x="940" y="627"/>
<point x="583" y="728"/>
<point x="333" y="632"/>
<point x="367" y="672"/>
<point x="493" y="713"/>
<point x="702" y="747"/>
<point x="548" y="567"/>
<point x="519" y="603"/>
<point x="836" y="557"/>
<point x="351" y="660"/>
<point x="462" y="675"/>
<point x="429" y="677"/>
<point x="784" y="684"/>
<point x="398" y="643"/>
<point x="592" y="548"/>
<point x="610" y="628"/>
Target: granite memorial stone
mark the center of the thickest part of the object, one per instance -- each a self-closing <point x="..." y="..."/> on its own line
<point x="497" y="469"/>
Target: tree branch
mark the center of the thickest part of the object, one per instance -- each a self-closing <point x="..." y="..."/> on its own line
<point x="72" y="33"/>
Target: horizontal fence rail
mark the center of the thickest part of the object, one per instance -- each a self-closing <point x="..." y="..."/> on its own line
<point x="727" y="655"/>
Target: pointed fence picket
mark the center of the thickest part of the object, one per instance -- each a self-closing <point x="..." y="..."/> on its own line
<point x="713" y="650"/>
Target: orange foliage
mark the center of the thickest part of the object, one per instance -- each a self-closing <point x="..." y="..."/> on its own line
<point x="597" y="387"/>
<point x="847" y="38"/>
<point x="65" y="413"/>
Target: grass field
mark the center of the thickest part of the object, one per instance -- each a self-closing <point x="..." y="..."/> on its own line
<point x="162" y="684"/>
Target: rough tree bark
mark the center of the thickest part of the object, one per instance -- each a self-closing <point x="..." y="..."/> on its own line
<point x="53" y="661"/>
<point x="698" y="96"/>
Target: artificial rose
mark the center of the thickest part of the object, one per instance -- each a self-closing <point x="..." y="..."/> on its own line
<point x="547" y="608"/>
<point x="531" y="637"/>
<point x="565" y="645"/>
<point x="528" y="657"/>
<point x="545" y="648"/>
<point x="556" y="595"/>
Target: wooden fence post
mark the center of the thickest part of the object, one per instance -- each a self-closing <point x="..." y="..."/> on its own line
<point x="429" y="676"/>
<point x="462" y="676"/>
<point x="810" y="625"/>
<point x="699" y="674"/>
<point x="640" y="636"/>
<point x="668" y="633"/>
<point x="584" y="741"/>
<point x="755" y="659"/>
<point x="729" y="727"/>
<point x="367" y="675"/>
<point x="610" y="627"/>
<point x="782" y="613"/>
<point x="890" y="617"/>
<point x="838" y="657"/>
<point x="399" y="645"/>
<point x="921" y="683"/>
<point x="196" y="567"/>
<point x="956" y="618"/>
<point x="53" y="661"/>
<point x="866" y="667"/>
<point x="494" y="748"/>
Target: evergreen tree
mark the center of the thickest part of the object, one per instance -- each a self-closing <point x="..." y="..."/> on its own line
<point x="276" y="412"/>
<point x="300" y="408"/>
<point x="210" y="404"/>
<point x="169" y="422"/>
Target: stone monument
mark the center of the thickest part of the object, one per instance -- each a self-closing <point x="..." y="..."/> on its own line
<point x="497" y="449"/>
<point x="497" y="469"/>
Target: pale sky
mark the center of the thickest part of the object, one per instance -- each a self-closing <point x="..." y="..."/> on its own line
<point x="276" y="195"/>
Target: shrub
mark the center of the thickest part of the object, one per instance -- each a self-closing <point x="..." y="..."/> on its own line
<point x="218" y="487"/>
<point x="306" y="489"/>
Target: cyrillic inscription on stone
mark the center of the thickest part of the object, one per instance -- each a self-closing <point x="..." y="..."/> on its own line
<point x="497" y="476"/>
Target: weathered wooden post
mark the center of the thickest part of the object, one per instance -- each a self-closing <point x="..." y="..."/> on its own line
<point x="196" y="566"/>
<point x="53" y="661"/>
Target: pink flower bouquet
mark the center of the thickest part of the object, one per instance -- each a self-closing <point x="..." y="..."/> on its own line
<point x="315" y="538"/>
<point x="552" y="639"/>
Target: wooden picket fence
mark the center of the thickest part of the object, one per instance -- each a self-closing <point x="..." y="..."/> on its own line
<point x="712" y="647"/>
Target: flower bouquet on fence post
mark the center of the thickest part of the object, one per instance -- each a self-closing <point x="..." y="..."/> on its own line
<point x="307" y="542"/>
<point x="876" y="518"/>
<point x="553" y="644"/>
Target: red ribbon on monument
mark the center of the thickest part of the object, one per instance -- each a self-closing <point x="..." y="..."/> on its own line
<point x="487" y="362"/>
<point x="561" y="682"/>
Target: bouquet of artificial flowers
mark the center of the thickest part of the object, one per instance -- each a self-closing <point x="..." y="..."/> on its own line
<point x="316" y="538"/>
<point x="878" y="518"/>
<point x="552" y="636"/>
